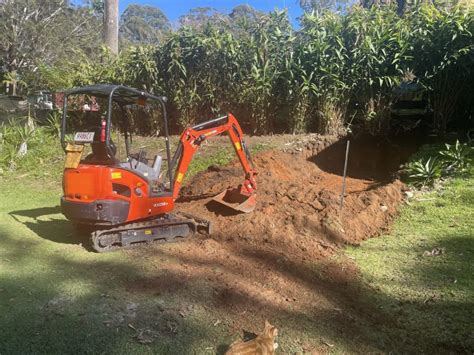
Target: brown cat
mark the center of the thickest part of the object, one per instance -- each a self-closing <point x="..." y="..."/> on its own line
<point x="263" y="344"/>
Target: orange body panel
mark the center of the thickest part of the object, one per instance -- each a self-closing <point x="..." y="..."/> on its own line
<point x="110" y="194"/>
<point x="89" y="183"/>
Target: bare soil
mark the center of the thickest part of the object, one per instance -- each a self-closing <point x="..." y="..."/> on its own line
<point x="276" y="258"/>
<point x="299" y="195"/>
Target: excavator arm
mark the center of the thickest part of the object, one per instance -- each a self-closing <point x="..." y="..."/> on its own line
<point x="240" y="199"/>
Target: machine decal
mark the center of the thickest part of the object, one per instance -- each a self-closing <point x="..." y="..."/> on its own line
<point x="116" y="175"/>
<point x="179" y="178"/>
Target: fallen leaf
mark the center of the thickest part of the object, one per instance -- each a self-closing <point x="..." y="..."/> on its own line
<point x="328" y="344"/>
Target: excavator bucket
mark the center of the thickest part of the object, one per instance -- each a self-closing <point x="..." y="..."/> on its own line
<point x="236" y="200"/>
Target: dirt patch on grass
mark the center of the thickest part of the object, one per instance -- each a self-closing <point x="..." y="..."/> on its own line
<point x="298" y="210"/>
<point x="274" y="261"/>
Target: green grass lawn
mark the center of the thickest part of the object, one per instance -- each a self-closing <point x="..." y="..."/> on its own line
<point x="56" y="297"/>
<point x="429" y="298"/>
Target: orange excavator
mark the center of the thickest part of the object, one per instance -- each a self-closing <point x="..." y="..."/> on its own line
<point x="130" y="203"/>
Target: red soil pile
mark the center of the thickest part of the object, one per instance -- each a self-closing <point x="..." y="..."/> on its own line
<point x="298" y="199"/>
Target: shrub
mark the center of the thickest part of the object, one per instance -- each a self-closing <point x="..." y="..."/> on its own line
<point x="277" y="79"/>
<point x="424" y="171"/>
<point x="433" y="162"/>
<point x="456" y="157"/>
<point x="20" y="142"/>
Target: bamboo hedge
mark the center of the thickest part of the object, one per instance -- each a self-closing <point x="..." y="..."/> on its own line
<point x="337" y="69"/>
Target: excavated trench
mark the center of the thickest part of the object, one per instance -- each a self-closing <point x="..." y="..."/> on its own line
<point x="298" y="209"/>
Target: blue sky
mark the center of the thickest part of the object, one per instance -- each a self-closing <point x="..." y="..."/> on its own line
<point x="174" y="9"/>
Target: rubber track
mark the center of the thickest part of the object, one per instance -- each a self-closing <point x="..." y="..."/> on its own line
<point x="171" y="220"/>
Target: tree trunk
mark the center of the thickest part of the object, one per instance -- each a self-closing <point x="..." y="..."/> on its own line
<point x="111" y="25"/>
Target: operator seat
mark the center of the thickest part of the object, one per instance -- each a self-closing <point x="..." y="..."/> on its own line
<point x="100" y="154"/>
<point x="140" y="165"/>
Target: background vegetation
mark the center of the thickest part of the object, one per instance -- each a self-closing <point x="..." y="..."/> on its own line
<point x="337" y="68"/>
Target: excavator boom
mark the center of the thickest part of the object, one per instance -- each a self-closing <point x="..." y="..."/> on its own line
<point x="242" y="198"/>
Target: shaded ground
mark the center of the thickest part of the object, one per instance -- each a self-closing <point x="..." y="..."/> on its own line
<point x="273" y="263"/>
<point x="282" y="263"/>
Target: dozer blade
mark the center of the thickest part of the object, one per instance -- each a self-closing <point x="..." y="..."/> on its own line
<point x="237" y="201"/>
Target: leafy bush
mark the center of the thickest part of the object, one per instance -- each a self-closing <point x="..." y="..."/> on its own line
<point x="442" y="50"/>
<point x="53" y="124"/>
<point x="432" y="163"/>
<point x="456" y="157"/>
<point x="424" y="171"/>
<point x="277" y="79"/>
<point x="21" y="143"/>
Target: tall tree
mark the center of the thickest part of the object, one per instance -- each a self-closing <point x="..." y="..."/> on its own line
<point x="34" y="32"/>
<point x="111" y="25"/>
<point x="320" y="5"/>
<point x="201" y="16"/>
<point x="245" y="12"/>
<point x="143" y="24"/>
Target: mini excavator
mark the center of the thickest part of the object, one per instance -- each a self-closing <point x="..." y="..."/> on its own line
<point x="130" y="203"/>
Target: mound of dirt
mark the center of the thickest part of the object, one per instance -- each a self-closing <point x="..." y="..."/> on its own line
<point x="271" y="263"/>
<point x="298" y="209"/>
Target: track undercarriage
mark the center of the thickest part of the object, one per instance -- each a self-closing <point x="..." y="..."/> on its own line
<point x="164" y="229"/>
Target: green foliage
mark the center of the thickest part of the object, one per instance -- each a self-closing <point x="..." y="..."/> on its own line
<point x="442" y="51"/>
<point x="45" y="32"/>
<point x="265" y="72"/>
<point x="433" y="162"/>
<point x="56" y="77"/>
<point x="53" y="124"/>
<point x="457" y="156"/>
<point x="277" y="79"/>
<point x="424" y="171"/>
<point x="143" y="24"/>
<point x="319" y="90"/>
<point x="377" y="58"/>
<point x="23" y="144"/>
<point x="244" y="14"/>
<point x="321" y="5"/>
<point x="200" y="17"/>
